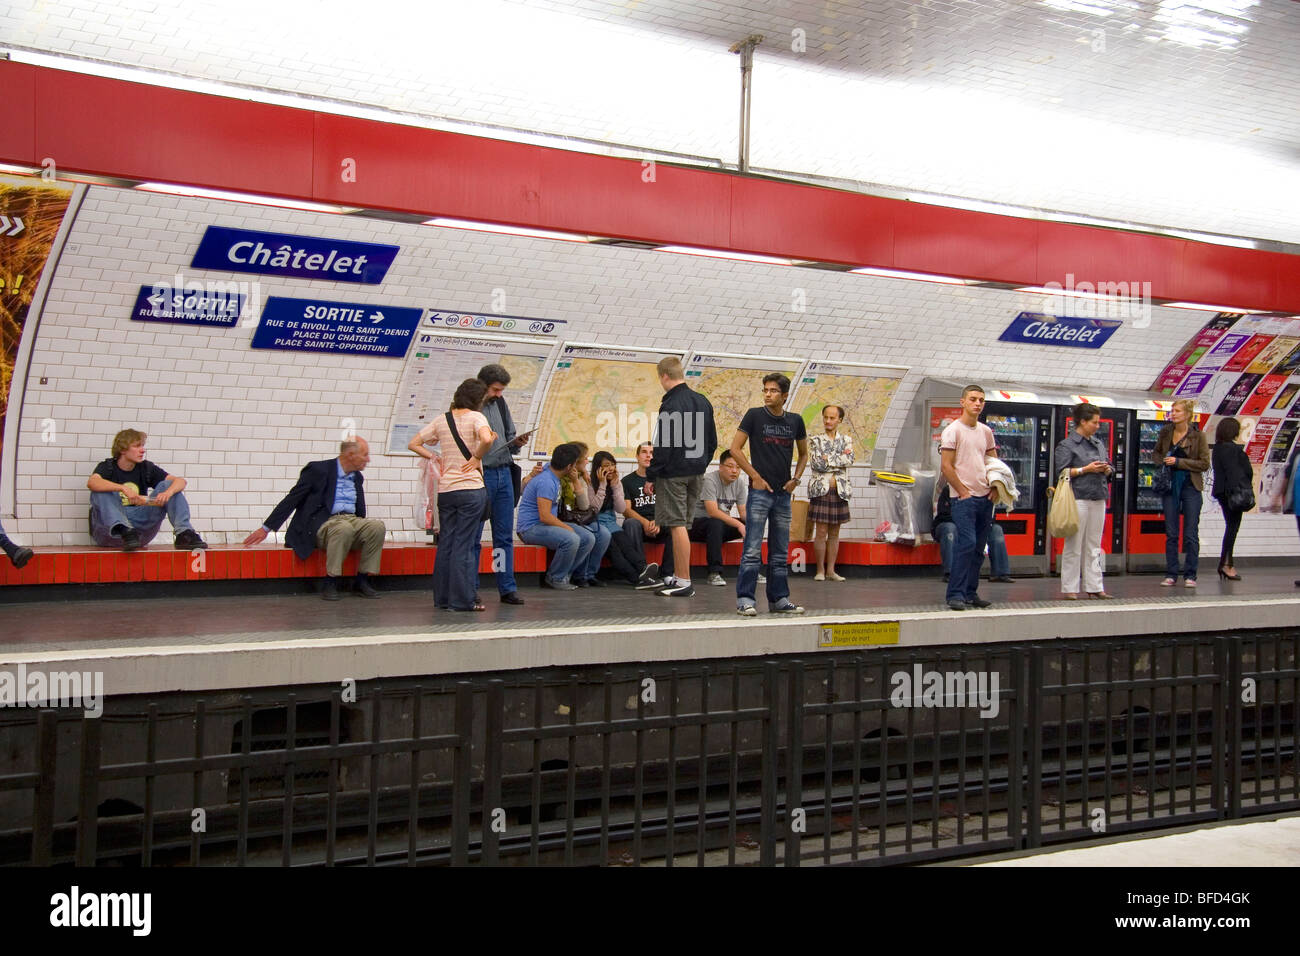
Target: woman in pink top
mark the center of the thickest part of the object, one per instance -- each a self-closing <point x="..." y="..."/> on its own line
<point x="461" y="495"/>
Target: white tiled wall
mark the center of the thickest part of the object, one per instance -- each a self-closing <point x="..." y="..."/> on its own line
<point x="239" y="423"/>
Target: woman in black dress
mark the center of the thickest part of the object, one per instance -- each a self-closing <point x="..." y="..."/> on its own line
<point x="1232" y="473"/>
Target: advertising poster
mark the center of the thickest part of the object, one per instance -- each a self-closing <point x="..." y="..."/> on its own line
<point x="1264" y="394"/>
<point x="1289" y="365"/>
<point x="1283" y="439"/>
<point x="1193" y="351"/>
<point x="31" y="212"/>
<point x="1238" y="394"/>
<point x="1261" y="440"/>
<point x="1272" y="355"/>
<point x="1248" y="353"/>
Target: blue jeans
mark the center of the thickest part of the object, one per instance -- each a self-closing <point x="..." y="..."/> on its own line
<point x="501" y="492"/>
<point x="972" y="517"/>
<point x="770" y="509"/>
<point x="455" y="566"/>
<point x="109" y="515"/>
<point x="999" y="561"/>
<point x="572" y="545"/>
<point x="601" y="533"/>
<point x="1188" y="504"/>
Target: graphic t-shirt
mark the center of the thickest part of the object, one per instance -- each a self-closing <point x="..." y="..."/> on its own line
<point x="634" y="492"/>
<point x="771" y="443"/>
<point x="725" y="496"/>
<point x="143" y="476"/>
<point x="545" y="485"/>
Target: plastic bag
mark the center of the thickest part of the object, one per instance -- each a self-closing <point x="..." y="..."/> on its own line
<point x="897" y="508"/>
<point x="426" y="496"/>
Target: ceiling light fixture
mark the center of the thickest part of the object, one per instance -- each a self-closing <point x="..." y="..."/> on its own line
<point x="726" y="254"/>
<point x="198" y="192"/>
<point x="524" y="231"/>
<point x="917" y="276"/>
<point x="1202" y="307"/>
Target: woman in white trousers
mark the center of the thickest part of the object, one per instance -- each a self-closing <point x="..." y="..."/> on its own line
<point x="1084" y="455"/>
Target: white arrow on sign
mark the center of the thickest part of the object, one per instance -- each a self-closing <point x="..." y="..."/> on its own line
<point x="377" y="318"/>
<point x="4" y="226"/>
<point x="156" y="300"/>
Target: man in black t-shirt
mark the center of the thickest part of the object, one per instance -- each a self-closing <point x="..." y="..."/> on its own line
<point x="123" y="512"/>
<point x="639" y="516"/>
<point x="772" y="434"/>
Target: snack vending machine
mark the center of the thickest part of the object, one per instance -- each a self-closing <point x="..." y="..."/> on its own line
<point x="1116" y="424"/>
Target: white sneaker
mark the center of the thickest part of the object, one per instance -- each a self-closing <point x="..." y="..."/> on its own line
<point x="788" y="607"/>
<point x="748" y="611"/>
<point x="717" y="581"/>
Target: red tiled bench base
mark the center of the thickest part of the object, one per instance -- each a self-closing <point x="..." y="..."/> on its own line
<point x="98" y="565"/>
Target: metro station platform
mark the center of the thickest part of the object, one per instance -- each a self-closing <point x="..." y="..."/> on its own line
<point x="225" y="643"/>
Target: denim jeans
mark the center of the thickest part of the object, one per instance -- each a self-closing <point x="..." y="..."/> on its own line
<point x="770" y="509"/>
<point x="1188" y="504"/>
<point x="501" y="492"/>
<point x="601" y="533"/>
<point x="572" y="545"/>
<point x="455" y="566"/>
<point x="999" y="560"/>
<point x="108" y="513"/>
<point x="972" y="517"/>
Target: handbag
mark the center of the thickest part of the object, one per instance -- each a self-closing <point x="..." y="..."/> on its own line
<point x="578" y="515"/>
<point x="460" y="443"/>
<point x="1241" y="498"/>
<point x="1063" y="514"/>
<point x="1163" y="482"/>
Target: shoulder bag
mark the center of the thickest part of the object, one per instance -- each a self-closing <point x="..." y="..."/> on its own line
<point x="1063" y="513"/>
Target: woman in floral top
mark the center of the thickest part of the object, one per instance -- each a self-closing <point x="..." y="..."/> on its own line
<point x="829" y="489"/>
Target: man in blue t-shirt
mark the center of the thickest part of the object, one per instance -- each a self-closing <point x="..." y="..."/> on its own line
<point x="772" y="434"/>
<point x="537" y="522"/>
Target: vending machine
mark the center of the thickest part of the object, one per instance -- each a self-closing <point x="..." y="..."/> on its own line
<point x="1146" y="522"/>
<point x="1116" y="424"/>
<point x="1022" y="425"/>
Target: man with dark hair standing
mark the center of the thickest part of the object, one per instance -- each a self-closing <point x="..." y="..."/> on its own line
<point x="773" y="434"/>
<point x="328" y="505"/>
<point x="498" y="479"/>
<point x="685" y="437"/>
<point x="965" y="446"/>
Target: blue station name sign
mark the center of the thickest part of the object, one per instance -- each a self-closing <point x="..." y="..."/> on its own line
<point x="1035" y="328"/>
<point x="302" y="257"/>
<point x="308" y="325"/>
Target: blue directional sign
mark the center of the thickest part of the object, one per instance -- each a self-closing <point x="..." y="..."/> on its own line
<point x="192" y="305"/>
<point x="1033" y="328"/>
<point x="309" y="325"/>
<point x="303" y="257"/>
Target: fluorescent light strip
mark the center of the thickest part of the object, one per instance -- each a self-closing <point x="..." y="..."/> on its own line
<point x="200" y="193"/>
<point x="917" y="276"/>
<point x="726" y="254"/>
<point x="506" y="230"/>
<point x="1075" y="294"/>
<point x="19" y="170"/>
<point x="1202" y="307"/>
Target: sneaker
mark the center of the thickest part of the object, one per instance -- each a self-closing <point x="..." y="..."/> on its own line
<point x="330" y="589"/>
<point x="979" y="602"/>
<point x="130" y="540"/>
<point x="189" y="540"/>
<point x="649" y="577"/>
<point x="363" y="588"/>
<point x="21" y="556"/>
<point x="1190" y="583"/>
<point x="580" y="582"/>
<point x="787" y="607"/>
<point x="678" y="590"/>
<point x="595" y="583"/>
<point x="958" y="606"/>
<point x="512" y="598"/>
<point x="717" y="580"/>
<point x="558" y="585"/>
<point x="747" y="610"/>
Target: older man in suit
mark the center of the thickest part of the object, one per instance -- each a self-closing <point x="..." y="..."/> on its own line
<point x="329" y="512"/>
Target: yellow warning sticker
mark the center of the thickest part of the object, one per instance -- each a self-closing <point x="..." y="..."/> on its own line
<point x="858" y="635"/>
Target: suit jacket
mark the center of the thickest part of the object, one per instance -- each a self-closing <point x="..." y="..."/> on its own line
<point x="310" y="501"/>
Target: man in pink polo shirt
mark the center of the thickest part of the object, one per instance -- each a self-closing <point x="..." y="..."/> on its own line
<point x="965" y="446"/>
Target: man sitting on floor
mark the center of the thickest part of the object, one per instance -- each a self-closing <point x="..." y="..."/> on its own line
<point x="328" y="505"/>
<point x="123" y="513"/>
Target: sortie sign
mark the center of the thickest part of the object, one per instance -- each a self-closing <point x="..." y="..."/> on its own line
<point x="307" y="325"/>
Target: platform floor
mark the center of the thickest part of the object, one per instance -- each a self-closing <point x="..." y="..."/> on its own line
<point x="215" y="643"/>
